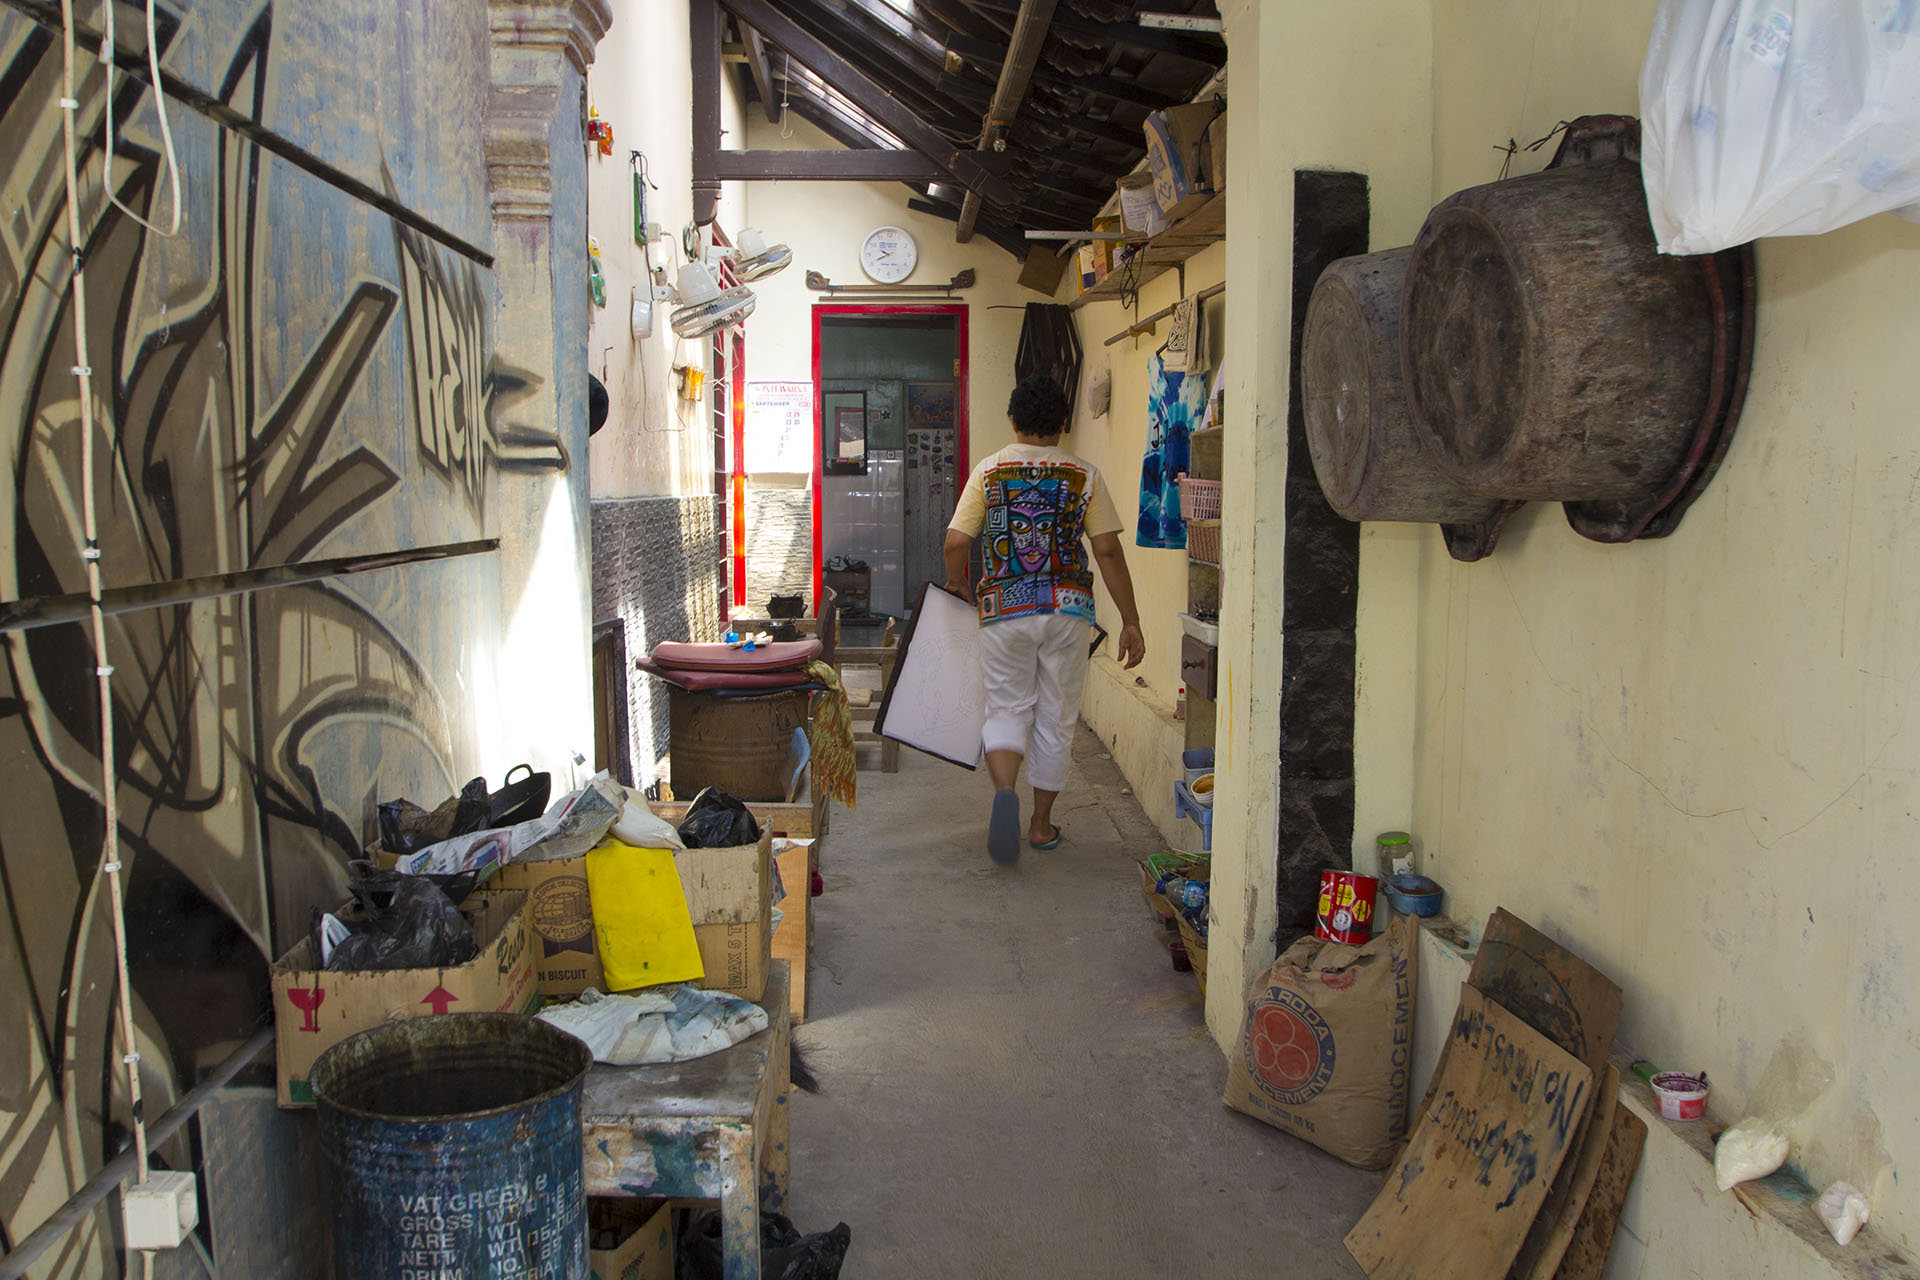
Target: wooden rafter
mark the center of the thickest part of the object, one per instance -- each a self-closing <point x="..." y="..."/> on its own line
<point x="862" y="91"/>
<point x="1023" y="54"/>
<point x="762" y="72"/>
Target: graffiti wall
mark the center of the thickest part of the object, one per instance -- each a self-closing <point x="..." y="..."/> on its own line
<point x="302" y="430"/>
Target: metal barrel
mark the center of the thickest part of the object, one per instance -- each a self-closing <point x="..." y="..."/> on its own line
<point x="455" y="1148"/>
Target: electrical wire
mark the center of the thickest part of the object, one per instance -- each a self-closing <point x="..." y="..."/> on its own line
<point x="108" y="50"/>
<point x="109" y="865"/>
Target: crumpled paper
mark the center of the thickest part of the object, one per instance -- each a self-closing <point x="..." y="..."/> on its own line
<point x="663" y="1024"/>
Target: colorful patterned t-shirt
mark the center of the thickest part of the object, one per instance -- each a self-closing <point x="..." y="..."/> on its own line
<point x="1036" y="505"/>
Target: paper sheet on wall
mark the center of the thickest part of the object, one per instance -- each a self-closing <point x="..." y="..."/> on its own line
<point x="936" y="701"/>
<point x="779" y="428"/>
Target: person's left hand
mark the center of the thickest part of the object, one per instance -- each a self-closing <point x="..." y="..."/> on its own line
<point x="1132" y="646"/>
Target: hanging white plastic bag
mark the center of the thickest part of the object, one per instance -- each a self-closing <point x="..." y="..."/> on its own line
<point x="1779" y="118"/>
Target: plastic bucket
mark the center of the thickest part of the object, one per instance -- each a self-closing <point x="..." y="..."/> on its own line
<point x="455" y="1149"/>
<point x="1682" y="1097"/>
<point x="1346" y="908"/>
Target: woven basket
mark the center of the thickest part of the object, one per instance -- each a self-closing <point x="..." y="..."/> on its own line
<point x="1203" y="542"/>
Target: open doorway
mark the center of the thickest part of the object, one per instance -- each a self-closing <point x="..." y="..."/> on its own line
<point x="890" y="446"/>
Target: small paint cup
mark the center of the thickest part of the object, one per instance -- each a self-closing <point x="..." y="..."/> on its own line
<point x="1682" y="1097"/>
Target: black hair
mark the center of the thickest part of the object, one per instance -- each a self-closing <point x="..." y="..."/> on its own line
<point x="1038" y="407"/>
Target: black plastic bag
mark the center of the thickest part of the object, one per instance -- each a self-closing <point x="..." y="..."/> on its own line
<point x="407" y="828"/>
<point x="404" y="922"/>
<point x="715" y="820"/>
<point x="785" y="1254"/>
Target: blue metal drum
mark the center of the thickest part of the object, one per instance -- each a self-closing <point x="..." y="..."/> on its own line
<point x="454" y="1143"/>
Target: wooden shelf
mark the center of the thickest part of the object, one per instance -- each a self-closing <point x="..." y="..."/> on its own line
<point x="1160" y="254"/>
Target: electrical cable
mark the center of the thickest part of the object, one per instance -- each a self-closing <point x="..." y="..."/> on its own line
<point x="109" y="866"/>
<point x="108" y="50"/>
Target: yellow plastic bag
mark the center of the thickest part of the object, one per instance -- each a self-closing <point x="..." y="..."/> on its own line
<point x="640" y="917"/>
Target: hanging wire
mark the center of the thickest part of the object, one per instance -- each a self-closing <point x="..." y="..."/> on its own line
<point x="109" y="864"/>
<point x="786" y="93"/>
<point x="108" y="50"/>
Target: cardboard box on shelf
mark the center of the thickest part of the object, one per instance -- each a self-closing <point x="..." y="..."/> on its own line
<point x="313" y="1009"/>
<point x="645" y="1235"/>
<point x="1139" y="210"/>
<point x="1179" y="154"/>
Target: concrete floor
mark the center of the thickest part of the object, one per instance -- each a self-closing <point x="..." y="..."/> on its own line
<point x="1015" y="1082"/>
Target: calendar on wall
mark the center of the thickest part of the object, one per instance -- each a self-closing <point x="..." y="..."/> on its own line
<point x="779" y="428"/>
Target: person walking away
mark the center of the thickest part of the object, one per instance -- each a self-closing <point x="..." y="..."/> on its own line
<point x="1038" y="506"/>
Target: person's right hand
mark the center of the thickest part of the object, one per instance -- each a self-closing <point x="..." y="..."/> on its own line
<point x="961" y="589"/>
<point x="1132" y="646"/>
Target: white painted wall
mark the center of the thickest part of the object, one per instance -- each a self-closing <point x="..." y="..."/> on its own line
<point x="654" y="443"/>
<point x="824" y="223"/>
<point x="1693" y="760"/>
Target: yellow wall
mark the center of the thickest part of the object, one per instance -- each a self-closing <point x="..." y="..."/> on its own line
<point x="1693" y="760"/>
<point x="654" y="443"/>
<point x="1346" y="86"/>
<point x="1136" y="721"/>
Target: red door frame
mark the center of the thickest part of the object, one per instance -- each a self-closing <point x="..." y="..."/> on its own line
<point x="962" y="386"/>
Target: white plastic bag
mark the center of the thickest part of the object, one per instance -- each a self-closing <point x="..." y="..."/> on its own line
<point x="1778" y="118"/>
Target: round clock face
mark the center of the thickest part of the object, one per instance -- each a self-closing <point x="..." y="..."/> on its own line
<point x="888" y="255"/>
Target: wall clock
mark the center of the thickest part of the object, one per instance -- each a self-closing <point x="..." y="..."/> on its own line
<point x="888" y="255"/>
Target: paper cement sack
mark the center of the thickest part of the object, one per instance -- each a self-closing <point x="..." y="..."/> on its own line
<point x="1326" y="1048"/>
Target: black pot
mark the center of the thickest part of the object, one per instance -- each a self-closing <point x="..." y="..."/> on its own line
<point x="786" y="606"/>
<point x="784" y="632"/>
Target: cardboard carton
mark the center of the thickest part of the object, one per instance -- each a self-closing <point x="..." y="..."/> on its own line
<point x="730" y="896"/>
<point x="1179" y="154"/>
<point x="732" y="917"/>
<point x="313" y="1010"/>
<point x="645" y="1250"/>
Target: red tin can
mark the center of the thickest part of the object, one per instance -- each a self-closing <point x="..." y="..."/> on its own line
<point x="1345" y="911"/>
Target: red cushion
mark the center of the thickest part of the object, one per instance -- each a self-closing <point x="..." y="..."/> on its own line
<point x="785" y="655"/>
<point x="707" y="681"/>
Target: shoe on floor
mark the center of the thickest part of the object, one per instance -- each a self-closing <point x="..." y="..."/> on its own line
<point x="1003" y="828"/>
<point x="1051" y="843"/>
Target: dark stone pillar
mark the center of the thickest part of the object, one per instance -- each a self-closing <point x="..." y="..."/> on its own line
<point x="1320" y="587"/>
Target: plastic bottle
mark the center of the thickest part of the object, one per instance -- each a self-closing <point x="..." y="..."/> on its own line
<point x="1190" y="895"/>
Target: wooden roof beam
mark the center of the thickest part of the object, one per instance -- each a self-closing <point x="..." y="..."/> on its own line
<point x="1023" y="55"/>
<point x="762" y="71"/>
<point x="859" y="89"/>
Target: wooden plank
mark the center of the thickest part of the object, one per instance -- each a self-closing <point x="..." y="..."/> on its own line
<point x="1541" y="1254"/>
<point x="793" y="938"/>
<point x="761" y="71"/>
<point x="1023" y="54"/>
<point x="1549" y="988"/>
<point x="872" y="164"/>
<point x="1592" y="1239"/>
<point x="798" y="819"/>
<point x="1565" y="999"/>
<point x="1504" y="1116"/>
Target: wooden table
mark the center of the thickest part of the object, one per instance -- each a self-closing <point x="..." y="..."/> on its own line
<point x="711" y="1129"/>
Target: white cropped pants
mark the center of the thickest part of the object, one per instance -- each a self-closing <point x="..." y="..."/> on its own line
<point x="1034" y="670"/>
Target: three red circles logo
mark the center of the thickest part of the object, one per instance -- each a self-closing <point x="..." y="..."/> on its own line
<point x="1289" y="1047"/>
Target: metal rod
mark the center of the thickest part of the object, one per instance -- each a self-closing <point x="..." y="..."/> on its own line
<point x="1147" y="322"/>
<point x="83" y="1202"/>
<point x="1132" y="237"/>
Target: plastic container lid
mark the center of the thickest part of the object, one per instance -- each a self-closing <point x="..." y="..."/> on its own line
<point x="1392" y="838"/>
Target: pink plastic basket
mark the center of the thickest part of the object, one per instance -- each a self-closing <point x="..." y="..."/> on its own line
<point x="1199" y="499"/>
